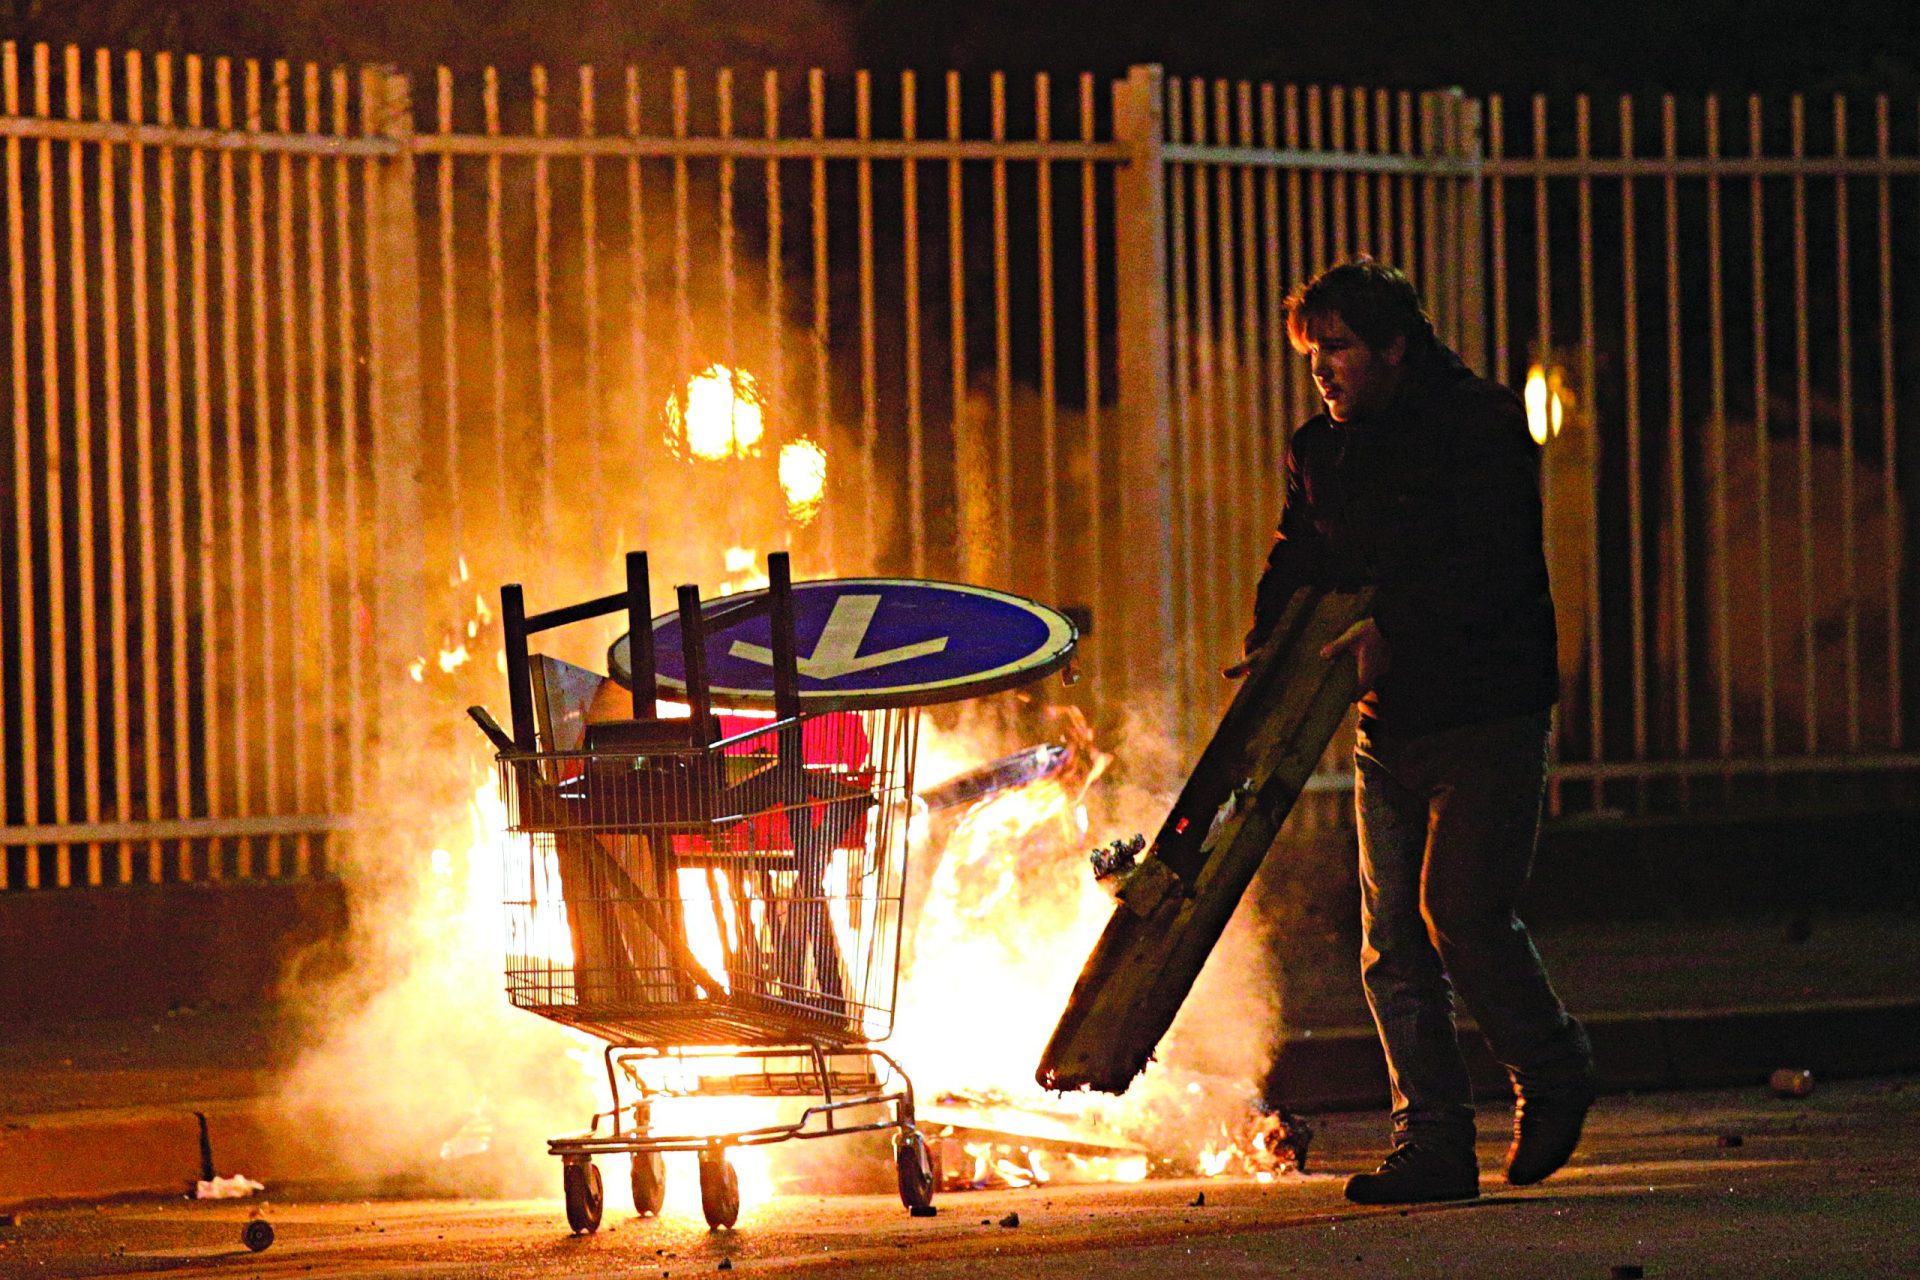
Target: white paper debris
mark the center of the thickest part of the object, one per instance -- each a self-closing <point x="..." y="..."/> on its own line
<point x="237" y="1187"/>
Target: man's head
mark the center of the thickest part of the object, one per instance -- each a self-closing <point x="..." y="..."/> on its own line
<point x="1357" y="324"/>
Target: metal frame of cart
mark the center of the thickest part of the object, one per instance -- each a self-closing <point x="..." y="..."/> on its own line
<point x="796" y="829"/>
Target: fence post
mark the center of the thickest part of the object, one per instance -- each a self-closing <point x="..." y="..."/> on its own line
<point x="1472" y="294"/>
<point x="1141" y="607"/>
<point x="398" y="740"/>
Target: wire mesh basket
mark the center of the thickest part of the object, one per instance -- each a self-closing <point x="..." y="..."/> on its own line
<point x="667" y="892"/>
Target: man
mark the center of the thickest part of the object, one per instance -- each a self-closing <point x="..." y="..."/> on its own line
<point x="1422" y="480"/>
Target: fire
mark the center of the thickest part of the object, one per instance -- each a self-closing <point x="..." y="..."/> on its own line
<point x="803" y="478"/>
<point x="718" y="416"/>
<point x="991" y="1167"/>
<point x="1272" y="1143"/>
<point x="1009" y="913"/>
<point x="743" y="571"/>
<point x="456" y="649"/>
<point x="1009" y="910"/>
<point x="1002" y="912"/>
<point x="1546" y="403"/>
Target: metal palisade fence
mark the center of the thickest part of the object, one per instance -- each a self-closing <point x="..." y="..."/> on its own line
<point x="303" y="362"/>
<point x="1720" y="312"/>
<point x="187" y="577"/>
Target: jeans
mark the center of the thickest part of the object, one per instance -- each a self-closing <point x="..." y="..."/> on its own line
<point x="1448" y="822"/>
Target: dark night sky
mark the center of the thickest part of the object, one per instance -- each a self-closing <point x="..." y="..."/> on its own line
<point x="1729" y="46"/>
<point x="1705" y="45"/>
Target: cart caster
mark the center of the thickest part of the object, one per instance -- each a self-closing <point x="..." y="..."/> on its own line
<point x="913" y="1162"/>
<point x="586" y="1196"/>
<point x="649" y="1183"/>
<point x="719" y="1189"/>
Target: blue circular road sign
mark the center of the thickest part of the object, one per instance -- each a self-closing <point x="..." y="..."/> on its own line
<point x="868" y="642"/>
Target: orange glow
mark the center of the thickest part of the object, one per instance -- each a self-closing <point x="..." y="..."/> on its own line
<point x="718" y="416"/>
<point x="1546" y="404"/>
<point x="803" y="478"/>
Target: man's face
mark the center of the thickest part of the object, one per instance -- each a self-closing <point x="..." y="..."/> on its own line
<point x="1353" y="378"/>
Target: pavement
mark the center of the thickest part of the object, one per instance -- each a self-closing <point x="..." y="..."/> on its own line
<point x="1735" y="1183"/>
<point x="96" y="1109"/>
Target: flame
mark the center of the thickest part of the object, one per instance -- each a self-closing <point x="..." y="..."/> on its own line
<point x="1267" y="1146"/>
<point x="743" y="571"/>
<point x="706" y="921"/>
<point x="803" y="478"/>
<point x="454" y="650"/>
<point x="528" y="916"/>
<point x="975" y="958"/>
<point x="718" y="416"/>
<point x="1010" y="911"/>
<point x="1009" y="914"/>
<point x="1546" y="403"/>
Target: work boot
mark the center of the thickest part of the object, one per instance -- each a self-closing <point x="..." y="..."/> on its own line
<point x="1546" y="1129"/>
<point x="1415" y="1174"/>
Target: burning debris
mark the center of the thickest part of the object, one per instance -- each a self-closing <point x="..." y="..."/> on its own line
<point x="1008" y="911"/>
<point x="988" y="1140"/>
<point x="1280" y="1142"/>
<point x="1008" y="773"/>
<point x="1118" y="858"/>
<point x="1272" y="1142"/>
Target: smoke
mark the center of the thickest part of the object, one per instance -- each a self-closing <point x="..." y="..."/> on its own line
<point x="414" y="1065"/>
<point x="1210" y="1067"/>
<point x="418" y="1069"/>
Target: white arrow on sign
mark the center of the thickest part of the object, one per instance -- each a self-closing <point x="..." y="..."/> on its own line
<point x="837" y="652"/>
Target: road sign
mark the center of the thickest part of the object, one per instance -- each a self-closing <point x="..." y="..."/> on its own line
<point x="868" y="642"/>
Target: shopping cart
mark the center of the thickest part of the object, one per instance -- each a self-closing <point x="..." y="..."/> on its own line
<point x="717" y="897"/>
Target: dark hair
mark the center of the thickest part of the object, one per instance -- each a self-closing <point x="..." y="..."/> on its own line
<point x="1377" y="302"/>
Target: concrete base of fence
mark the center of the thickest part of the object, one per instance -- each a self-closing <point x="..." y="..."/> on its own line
<point x="150" y="948"/>
<point x="157" y="1150"/>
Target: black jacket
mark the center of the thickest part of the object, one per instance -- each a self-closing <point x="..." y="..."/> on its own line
<point x="1435" y="500"/>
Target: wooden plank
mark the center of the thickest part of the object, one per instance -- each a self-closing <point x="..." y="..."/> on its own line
<point x="1176" y="902"/>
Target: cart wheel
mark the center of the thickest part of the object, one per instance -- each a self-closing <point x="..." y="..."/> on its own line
<point x="649" y="1183"/>
<point x="586" y="1196"/>
<point x="719" y="1190"/>
<point x="913" y="1161"/>
<point x="258" y="1235"/>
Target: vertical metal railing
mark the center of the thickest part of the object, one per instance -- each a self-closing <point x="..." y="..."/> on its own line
<point x="1729" y="547"/>
<point x="933" y="285"/>
<point x="173" y="666"/>
<point x="277" y="357"/>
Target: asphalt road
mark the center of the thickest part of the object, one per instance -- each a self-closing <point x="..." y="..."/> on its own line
<point x="1732" y="1183"/>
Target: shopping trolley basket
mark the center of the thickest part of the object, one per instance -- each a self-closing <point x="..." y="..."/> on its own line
<point x="714" y="887"/>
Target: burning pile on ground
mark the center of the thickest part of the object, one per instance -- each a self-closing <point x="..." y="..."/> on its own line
<point x="1007" y="911"/>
